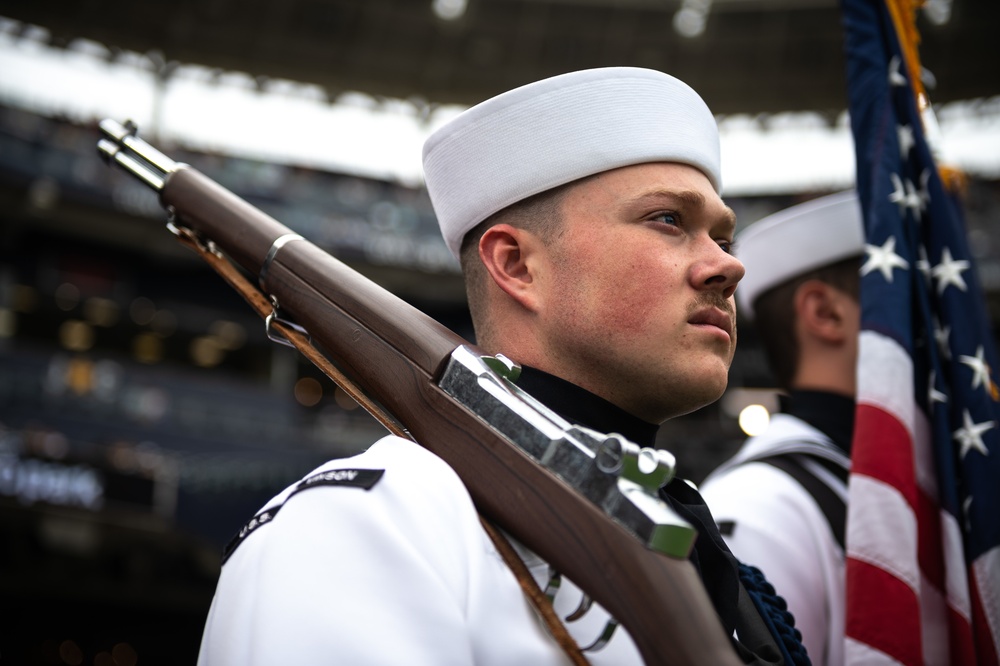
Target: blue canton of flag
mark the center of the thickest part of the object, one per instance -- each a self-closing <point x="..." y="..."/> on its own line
<point x="923" y="568"/>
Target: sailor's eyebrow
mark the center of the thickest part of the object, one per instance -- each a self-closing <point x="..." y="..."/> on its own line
<point x="686" y="199"/>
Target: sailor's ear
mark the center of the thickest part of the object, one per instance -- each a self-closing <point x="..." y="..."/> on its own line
<point x="821" y="310"/>
<point x="506" y="253"/>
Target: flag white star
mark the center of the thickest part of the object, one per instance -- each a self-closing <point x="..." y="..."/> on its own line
<point x="949" y="271"/>
<point x="906" y="141"/>
<point x="895" y="78"/>
<point x="898" y="194"/>
<point x="925" y="190"/>
<point x="941" y="334"/>
<point x="980" y="370"/>
<point x="933" y="395"/>
<point x="905" y="195"/>
<point x="883" y="258"/>
<point x="914" y="200"/>
<point x="924" y="263"/>
<point x="970" y="435"/>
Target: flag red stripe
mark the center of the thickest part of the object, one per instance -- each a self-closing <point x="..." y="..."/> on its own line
<point x="876" y="595"/>
<point x="893" y="463"/>
<point x="892" y="460"/>
<point x="961" y="645"/>
<point x="880" y="594"/>
<point x="930" y="552"/>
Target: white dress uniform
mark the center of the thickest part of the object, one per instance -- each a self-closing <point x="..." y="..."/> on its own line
<point x="394" y="568"/>
<point x="381" y="559"/>
<point x="784" y="532"/>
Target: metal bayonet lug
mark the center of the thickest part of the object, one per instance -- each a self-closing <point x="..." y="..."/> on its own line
<point x="617" y="475"/>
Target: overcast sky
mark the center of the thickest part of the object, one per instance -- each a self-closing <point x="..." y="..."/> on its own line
<point x="295" y="124"/>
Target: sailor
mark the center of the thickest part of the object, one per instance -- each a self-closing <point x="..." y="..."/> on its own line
<point x="585" y="211"/>
<point x="781" y="500"/>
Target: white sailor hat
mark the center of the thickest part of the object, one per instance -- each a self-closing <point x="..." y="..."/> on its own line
<point x="797" y="240"/>
<point x="557" y="130"/>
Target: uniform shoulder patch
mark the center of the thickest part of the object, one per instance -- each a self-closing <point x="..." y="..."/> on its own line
<point x="357" y="478"/>
<point x="354" y="478"/>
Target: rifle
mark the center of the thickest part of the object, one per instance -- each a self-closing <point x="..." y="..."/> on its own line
<point x="584" y="501"/>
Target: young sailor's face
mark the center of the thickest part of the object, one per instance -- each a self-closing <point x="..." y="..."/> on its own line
<point x="639" y="289"/>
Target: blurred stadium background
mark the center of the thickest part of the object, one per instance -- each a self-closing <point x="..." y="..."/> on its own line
<point x="144" y="415"/>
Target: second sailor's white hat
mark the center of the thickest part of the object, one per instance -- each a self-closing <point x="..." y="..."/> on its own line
<point x="796" y="240"/>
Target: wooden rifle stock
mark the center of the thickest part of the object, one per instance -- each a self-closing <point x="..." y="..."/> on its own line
<point x="396" y="354"/>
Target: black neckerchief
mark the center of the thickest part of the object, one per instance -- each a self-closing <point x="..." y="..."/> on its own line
<point x="580" y="406"/>
<point x="711" y="557"/>
<point x="830" y="413"/>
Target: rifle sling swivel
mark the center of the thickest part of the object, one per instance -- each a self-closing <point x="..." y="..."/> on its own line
<point x="275" y="317"/>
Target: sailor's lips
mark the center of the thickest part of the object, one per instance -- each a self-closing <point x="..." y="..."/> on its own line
<point x="715" y="318"/>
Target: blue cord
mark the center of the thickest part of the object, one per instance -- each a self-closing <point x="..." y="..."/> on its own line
<point x="774" y="610"/>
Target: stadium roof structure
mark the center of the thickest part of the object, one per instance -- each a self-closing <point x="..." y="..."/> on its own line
<point x="744" y="56"/>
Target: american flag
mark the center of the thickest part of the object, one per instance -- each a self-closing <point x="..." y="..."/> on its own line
<point x="923" y="528"/>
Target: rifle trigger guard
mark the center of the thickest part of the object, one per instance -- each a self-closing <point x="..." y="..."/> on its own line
<point x="276" y="318"/>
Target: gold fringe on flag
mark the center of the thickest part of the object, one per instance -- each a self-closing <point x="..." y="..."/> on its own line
<point x="904" y="18"/>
